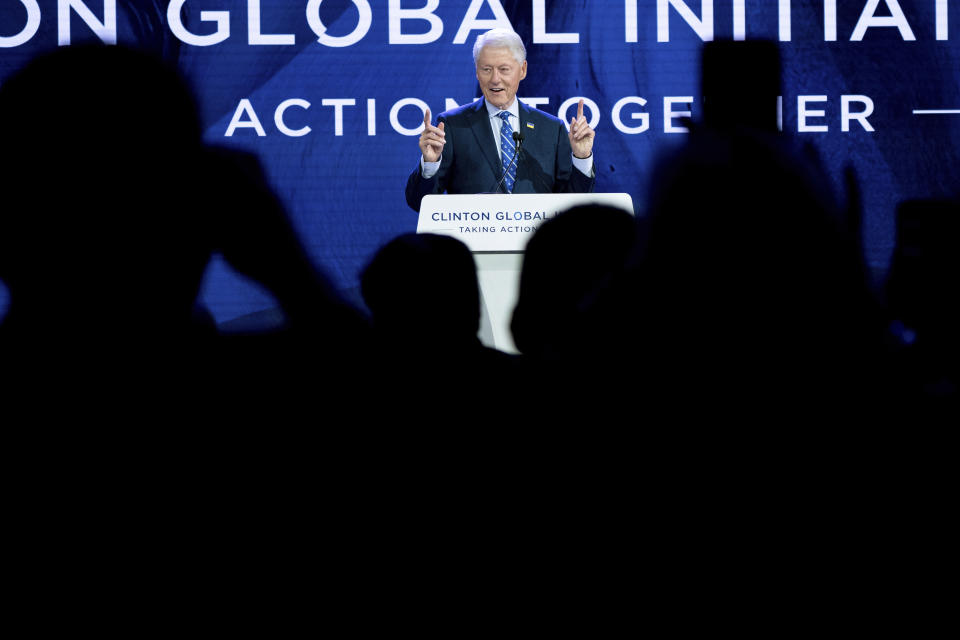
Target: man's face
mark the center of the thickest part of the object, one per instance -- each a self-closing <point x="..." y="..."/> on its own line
<point x="499" y="75"/>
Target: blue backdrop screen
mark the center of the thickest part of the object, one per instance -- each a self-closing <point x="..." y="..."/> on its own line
<point x="331" y="93"/>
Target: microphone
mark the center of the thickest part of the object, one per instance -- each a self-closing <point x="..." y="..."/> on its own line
<point x="517" y="142"/>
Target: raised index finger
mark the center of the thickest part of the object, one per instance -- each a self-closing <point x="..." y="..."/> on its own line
<point x="580" y="109"/>
<point x="426" y="118"/>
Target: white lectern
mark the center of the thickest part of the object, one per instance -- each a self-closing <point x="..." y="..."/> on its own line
<point x="496" y="228"/>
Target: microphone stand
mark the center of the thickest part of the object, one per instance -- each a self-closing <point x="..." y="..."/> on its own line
<point x="518" y="141"/>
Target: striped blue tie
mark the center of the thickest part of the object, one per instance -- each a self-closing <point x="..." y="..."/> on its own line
<point x="507" y="152"/>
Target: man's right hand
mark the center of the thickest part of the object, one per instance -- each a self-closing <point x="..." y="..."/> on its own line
<point x="431" y="140"/>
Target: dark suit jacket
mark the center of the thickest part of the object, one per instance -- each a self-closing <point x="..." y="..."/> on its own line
<point x="470" y="163"/>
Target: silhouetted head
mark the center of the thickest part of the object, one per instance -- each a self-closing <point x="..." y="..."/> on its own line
<point x="740" y="82"/>
<point x="100" y="175"/>
<point x="567" y="259"/>
<point x="422" y="290"/>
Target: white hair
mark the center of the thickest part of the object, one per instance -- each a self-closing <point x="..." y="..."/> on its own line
<point x="500" y="38"/>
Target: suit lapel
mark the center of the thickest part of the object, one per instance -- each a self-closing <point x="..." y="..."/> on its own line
<point x="524" y="117"/>
<point x="484" y="135"/>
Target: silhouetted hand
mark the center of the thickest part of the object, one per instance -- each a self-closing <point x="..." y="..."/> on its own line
<point x="256" y="238"/>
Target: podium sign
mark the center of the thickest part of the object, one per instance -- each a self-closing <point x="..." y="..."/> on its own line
<point x="503" y="222"/>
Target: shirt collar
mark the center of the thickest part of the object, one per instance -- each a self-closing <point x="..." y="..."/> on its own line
<point x="514" y="109"/>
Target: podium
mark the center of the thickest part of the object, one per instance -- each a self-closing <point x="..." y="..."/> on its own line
<point x="496" y="228"/>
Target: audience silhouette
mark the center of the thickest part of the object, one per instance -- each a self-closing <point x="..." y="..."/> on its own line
<point x="570" y="258"/>
<point x="424" y="298"/>
<point x="103" y="242"/>
<point x="744" y="282"/>
<point x="747" y="287"/>
<point x="114" y="208"/>
<point x="740" y="300"/>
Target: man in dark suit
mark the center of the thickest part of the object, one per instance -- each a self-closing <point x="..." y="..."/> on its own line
<point x="474" y="148"/>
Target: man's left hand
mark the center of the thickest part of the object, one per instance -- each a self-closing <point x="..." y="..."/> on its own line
<point x="581" y="135"/>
